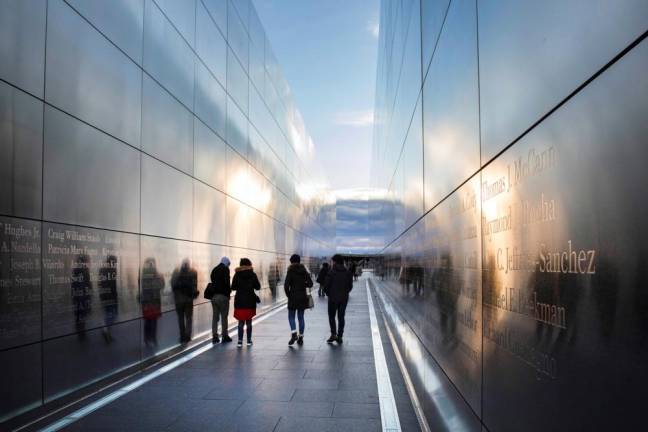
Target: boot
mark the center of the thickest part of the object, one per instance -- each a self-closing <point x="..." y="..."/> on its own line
<point x="300" y="340"/>
<point x="293" y="339"/>
<point x="332" y="339"/>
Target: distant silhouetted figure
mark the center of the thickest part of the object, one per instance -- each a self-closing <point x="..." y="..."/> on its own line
<point x="81" y="288"/>
<point x="220" y="300"/>
<point x="151" y="300"/>
<point x="184" y="283"/>
<point x="108" y="294"/>
<point x="321" y="278"/>
<point x="338" y="285"/>
<point x="245" y="282"/>
<point x="298" y="280"/>
<point x="353" y="268"/>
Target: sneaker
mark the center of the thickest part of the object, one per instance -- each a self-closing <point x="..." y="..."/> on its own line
<point x="339" y="340"/>
<point x="227" y="339"/>
<point x="239" y="344"/>
<point x="293" y="339"/>
<point x="215" y="340"/>
<point x="300" y="340"/>
<point x="332" y="339"/>
<point x="249" y="343"/>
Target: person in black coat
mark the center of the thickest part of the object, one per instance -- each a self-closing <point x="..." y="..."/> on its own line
<point x="184" y="283"/>
<point x="220" y="300"/>
<point x="338" y="285"/>
<point x="245" y="282"/>
<point x="298" y="280"/>
<point x="321" y="278"/>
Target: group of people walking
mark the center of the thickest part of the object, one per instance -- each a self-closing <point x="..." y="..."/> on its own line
<point x="335" y="281"/>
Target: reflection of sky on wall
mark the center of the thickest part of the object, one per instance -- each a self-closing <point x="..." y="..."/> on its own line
<point x="362" y="220"/>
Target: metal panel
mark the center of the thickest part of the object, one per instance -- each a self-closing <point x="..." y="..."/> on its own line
<point x="564" y="263"/>
<point x="451" y="106"/>
<point x="237" y="83"/>
<point x="211" y="100"/>
<point x="20" y="282"/>
<point x="167" y="127"/>
<point x="89" y="178"/>
<point x="210" y="157"/>
<point x="22" y="44"/>
<point x="89" y="280"/>
<point x="209" y="214"/>
<point x="21" y="148"/>
<point x="166" y="200"/>
<point x="21" y="384"/>
<point x="182" y="13"/>
<point x="237" y="36"/>
<point x="237" y="128"/>
<point x="570" y="41"/>
<point x="89" y="77"/>
<point x="121" y="21"/>
<point x="218" y="11"/>
<point x="211" y="45"/>
<point x="167" y="57"/>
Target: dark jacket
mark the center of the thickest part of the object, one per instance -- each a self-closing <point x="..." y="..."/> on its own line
<point x="297" y="280"/>
<point x="321" y="276"/>
<point x="244" y="283"/>
<point x="220" y="279"/>
<point x="184" y="283"/>
<point x="339" y="283"/>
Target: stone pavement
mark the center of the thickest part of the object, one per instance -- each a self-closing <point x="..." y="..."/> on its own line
<point x="269" y="386"/>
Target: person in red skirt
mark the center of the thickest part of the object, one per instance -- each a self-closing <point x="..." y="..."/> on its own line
<point x="245" y="282"/>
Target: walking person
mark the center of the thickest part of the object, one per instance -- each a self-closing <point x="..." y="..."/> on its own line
<point x="338" y="285"/>
<point x="220" y="300"/>
<point x="321" y="278"/>
<point x="184" y="282"/>
<point x="352" y="269"/>
<point x="245" y="282"/>
<point x="298" y="280"/>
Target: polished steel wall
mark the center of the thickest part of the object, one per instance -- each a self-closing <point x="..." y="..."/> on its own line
<point x="511" y="137"/>
<point x="135" y="134"/>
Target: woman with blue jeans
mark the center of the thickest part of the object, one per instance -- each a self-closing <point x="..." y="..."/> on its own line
<point x="298" y="280"/>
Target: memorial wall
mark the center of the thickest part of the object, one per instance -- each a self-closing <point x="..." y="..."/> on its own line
<point x="136" y="135"/>
<point x="512" y="138"/>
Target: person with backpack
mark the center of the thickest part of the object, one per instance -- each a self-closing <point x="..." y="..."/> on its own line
<point x="338" y="285"/>
<point x="245" y="282"/>
<point x="321" y="278"/>
<point x="298" y="280"/>
<point x="219" y="292"/>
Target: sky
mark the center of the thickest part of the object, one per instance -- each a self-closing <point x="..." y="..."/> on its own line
<point x="328" y="51"/>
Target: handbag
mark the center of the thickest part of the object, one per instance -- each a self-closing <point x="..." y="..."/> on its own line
<point x="209" y="291"/>
<point x="309" y="298"/>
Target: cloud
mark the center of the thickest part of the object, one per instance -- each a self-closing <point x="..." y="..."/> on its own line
<point x="373" y="28"/>
<point x="355" y="118"/>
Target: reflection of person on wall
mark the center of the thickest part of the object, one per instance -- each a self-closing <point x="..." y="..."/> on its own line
<point x="321" y="278"/>
<point x="404" y="279"/>
<point x="184" y="283"/>
<point x="108" y="294"/>
<point x="273" y="278"/>
<point x="81" y="292"/>
<point x="151" y="299"/>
